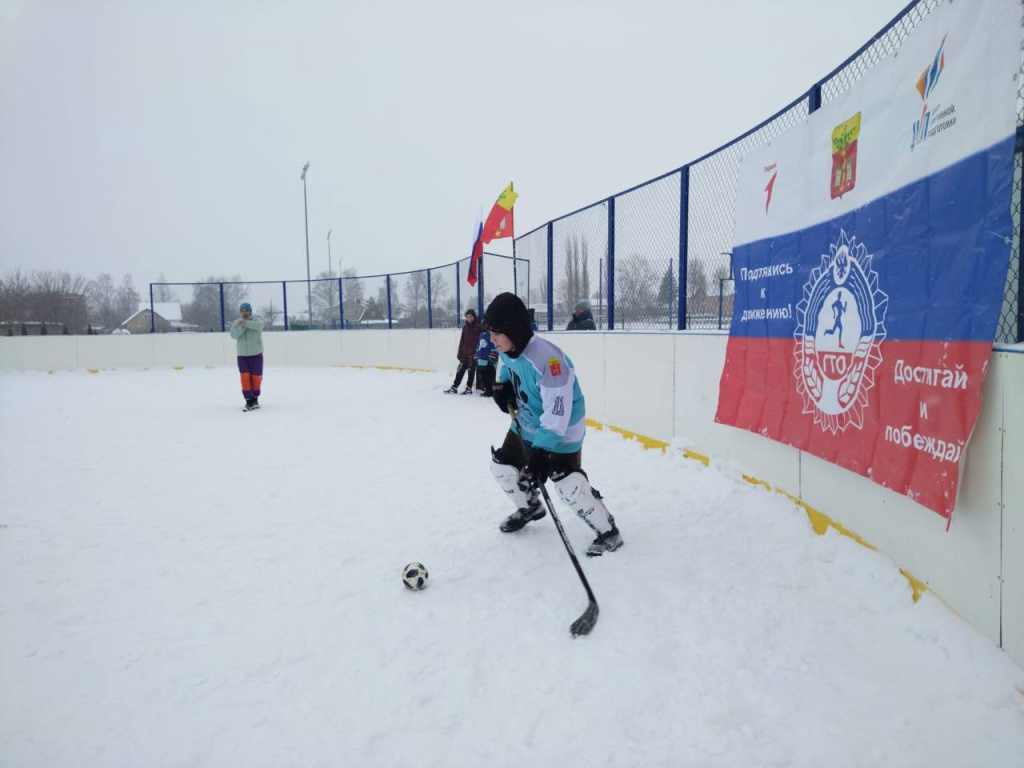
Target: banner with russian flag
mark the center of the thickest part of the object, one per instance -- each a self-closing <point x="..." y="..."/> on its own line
<point x="871" y="251"/>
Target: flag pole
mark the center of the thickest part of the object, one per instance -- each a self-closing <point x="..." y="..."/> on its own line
<point x="515" y="264"/>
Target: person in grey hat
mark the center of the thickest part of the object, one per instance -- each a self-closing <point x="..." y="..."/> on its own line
<point x="582" y="318"/>
<point x="247" y="331"/>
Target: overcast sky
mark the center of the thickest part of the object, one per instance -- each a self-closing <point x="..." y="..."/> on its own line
<point x="168" y="137"/>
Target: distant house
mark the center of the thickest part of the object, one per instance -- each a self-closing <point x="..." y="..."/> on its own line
<point x="165" y="318"/>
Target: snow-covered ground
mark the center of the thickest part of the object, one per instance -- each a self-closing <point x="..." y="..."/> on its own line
<point x="182" y="584"/>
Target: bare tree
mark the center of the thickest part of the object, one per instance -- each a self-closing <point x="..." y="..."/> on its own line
<point x="60" y="298"/>
<point x="163" y="293"/>
<point x="415" y="290"/>
<point x="127" y="299"/>
<point x="697" y="297"/>
<point x="325" y="299"/>
<point x="103" y="302"/>
<point x="14" y="294"/>
<point x="634" y="292"/>
<point x="204" y="310"/>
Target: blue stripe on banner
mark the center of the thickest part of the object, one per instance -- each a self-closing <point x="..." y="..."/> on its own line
<point x="940" y="248"/>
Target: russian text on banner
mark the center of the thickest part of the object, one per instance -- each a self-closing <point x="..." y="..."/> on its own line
<point x="871" y="251"/>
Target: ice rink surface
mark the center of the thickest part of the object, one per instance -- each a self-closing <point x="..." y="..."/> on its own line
<point x="184" y="584"/>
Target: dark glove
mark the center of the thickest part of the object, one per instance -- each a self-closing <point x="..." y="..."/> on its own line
<point x="493" y="357"/>
<point x="504" y="395"/>
<point x="539" y="466"/>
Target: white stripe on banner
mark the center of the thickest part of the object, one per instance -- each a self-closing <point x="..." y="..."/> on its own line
<point x="917" y="112"/>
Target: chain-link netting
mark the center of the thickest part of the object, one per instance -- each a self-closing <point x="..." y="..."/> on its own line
<point x="580" y="265"/>
<point x="1010" y="325"/>
<point x="533" y="248"/>
<point x="1011" y="319"/>
<point x="365" y="302"/>
<point x="409" y="300"/>
<point x="267" y="301"/>
<point x="886" y="44"/>
<point x="647" y="256"/>
<point x="468" y="294"/>
<point x="644" y="252"/>
<point x="503" y="274"/>
<point x="709" y="293"/>
<point x="443" y="309"/>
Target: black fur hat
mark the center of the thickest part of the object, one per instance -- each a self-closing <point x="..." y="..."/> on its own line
<point x="508" y="315"/>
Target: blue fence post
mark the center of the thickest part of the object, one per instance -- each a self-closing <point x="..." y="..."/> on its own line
<point x="611" y="263"/>
<point x="152" y="309"/>
<point x="551" y="276"/>
<point x="814" y="98"/>
<point x="388" y="281"/>
<point x="341" y="303"/>
<point x="222" y="307"/>
<point x="458" y="295"/>
<point x="284" y="293"/>
<point x="430" y="304"/>
<point x="684" y="242"/>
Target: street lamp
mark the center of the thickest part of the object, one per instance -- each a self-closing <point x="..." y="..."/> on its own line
<point x="309" y="284"/>
<point x="329" y="263"/>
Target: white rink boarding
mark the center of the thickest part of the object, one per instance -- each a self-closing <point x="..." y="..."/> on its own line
<point x="665" y="386"/>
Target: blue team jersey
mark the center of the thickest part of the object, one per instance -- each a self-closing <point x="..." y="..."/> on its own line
<point x="483" y="348"/>
<point x="552" y="411"/>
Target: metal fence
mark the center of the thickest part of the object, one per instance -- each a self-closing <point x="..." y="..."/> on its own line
<point x="656" y="256"/>
<point x="425" y="298"/>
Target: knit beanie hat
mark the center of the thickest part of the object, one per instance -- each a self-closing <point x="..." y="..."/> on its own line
<point x="508" y="315"/>
<point x="244" y="306"/>
<point x="583" y="304"/>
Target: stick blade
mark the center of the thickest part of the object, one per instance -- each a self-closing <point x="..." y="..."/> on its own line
<point x="586" y="622"/>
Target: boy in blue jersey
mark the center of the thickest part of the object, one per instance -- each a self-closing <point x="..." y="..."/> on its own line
<point x="539" y="381"/>
<point x="486" y="361"/>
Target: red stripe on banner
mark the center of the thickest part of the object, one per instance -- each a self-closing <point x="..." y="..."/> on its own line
<point x="904" y="427"/>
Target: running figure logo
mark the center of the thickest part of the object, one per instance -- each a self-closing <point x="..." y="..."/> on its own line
<point x="841" y="302"/>
<point x="838" y="308"/>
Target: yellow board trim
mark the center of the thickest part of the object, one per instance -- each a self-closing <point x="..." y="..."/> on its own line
<point x="388" y="368"/>
<point x="820" y="522"/>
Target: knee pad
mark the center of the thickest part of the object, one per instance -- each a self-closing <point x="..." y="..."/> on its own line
<point x="574" y="489"/>
<point x="508" y="479"/>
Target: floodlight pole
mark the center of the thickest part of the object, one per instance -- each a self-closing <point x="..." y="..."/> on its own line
<point x="309" y="284"/>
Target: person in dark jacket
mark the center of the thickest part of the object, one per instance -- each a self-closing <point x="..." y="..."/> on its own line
<point x="582" y="319"/>
<point x="467" y="354"/>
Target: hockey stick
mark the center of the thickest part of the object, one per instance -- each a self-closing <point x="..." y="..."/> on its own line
<point x="586" y="622"/>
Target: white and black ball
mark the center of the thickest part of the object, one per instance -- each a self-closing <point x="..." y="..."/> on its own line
<point x="415" y="576"/>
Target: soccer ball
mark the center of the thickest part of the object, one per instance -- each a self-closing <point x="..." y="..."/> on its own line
<point x="414" y="576"/>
